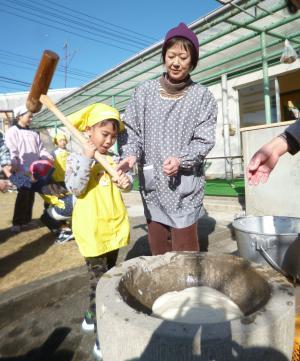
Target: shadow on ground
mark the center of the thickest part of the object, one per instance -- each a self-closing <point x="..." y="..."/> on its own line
<point x="26" y="253"/>
<point x="49" y="349"/>
<point x="6" y="233"/>
<point x="206" y="226"/>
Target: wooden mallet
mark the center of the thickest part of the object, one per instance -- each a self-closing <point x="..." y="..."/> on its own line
<point x="37" y="97"/>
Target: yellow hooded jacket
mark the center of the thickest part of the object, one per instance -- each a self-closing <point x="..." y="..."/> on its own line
<point x="100" y="221"/>
<point x="60" y="160"/>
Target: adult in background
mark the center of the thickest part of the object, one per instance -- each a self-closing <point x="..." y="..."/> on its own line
<point x="170" y="125"/>
<point x="25" y="147"/>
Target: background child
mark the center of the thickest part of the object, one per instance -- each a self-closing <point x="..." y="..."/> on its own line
<point x="100" y="221"/>
<point x="60" y="155"/>
<point x="59" y="201"/>
<point x="25" y="147"/>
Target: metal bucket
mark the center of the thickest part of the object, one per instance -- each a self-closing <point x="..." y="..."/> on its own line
<point x="270" y="240"/>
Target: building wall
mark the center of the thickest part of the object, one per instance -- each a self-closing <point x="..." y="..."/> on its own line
<point x="277" y="201"/>
<point x="216" y="168"/>
<point x="10" y="101"/>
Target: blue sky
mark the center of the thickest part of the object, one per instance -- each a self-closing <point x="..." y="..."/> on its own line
<point x="90" y="36"/>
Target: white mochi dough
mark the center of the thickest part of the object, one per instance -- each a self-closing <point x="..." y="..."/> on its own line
<point x="196" y="305"/>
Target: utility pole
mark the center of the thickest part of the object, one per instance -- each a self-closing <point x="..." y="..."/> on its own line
<point x="68" y="58"/>
<point x="66" y="61"/>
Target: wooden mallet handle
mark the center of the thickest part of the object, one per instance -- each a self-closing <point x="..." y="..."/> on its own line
<point x="45" y="100"/>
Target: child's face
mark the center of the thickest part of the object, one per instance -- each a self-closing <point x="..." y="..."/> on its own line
<point x="62" y="143"/>
<point x="103" y="136"/>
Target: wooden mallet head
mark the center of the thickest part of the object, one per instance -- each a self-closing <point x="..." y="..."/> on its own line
<point x="37" y="97"/>
<point x="42" y="80"/>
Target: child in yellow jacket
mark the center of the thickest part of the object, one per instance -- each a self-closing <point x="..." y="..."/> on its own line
<point x="100" y="221"/>
<point x="60" y="155"/>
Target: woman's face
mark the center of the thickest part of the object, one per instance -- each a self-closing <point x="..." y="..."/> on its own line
<point x="178" y="63"/>
<point x="103" y="136"/>
<point x="25" y="119"/>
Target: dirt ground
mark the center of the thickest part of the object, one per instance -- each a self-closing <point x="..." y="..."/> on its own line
<point x="31" y="254"/>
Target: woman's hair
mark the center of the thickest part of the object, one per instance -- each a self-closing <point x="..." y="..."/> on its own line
<point x="15" y="121"/>
<point x="291" y="7"/>
<point x="114" y="122"/>
<point x="187" y="45"/>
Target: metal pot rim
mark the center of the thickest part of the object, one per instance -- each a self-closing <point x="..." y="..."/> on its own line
<point x="239" y="228"/>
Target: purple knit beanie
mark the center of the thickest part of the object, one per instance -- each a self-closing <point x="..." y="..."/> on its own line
<point x="182" y="31"/>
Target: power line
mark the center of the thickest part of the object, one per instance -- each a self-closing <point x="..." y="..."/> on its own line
<point x="14" y="81"/>
<point x="35" y="13"/>
<point x="101" y="20"/>
<point x="67" y="31"/>
<point x="10" y="88"/>
<point x="82" y="28"/>
<point x="34" y="64"/>
<point x="109" y="33"/>
<point x="35" y="61"/>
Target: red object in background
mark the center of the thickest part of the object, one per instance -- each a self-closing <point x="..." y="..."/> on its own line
<point x="40" y="167"/>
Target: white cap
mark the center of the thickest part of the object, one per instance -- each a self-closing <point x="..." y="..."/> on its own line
<point x="20" y="111"/>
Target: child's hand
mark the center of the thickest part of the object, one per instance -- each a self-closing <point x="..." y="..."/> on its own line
<point x="89" y="149"/>
<point x="122" y="181"/>
<point x="5" y="185"/>
<point x="7" y="170"/>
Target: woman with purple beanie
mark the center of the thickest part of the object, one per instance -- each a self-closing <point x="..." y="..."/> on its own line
<point x="170" y="125"/>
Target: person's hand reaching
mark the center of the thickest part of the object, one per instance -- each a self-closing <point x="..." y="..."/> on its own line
<point x="264" y="160"/>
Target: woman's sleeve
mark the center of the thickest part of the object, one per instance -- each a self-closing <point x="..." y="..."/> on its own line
<point x="204" y="135"/>
<point x="77" y="173"/>
<point x="292" y="133"/>
<point x="130" y="141"/>
<point x="11" y="141"/>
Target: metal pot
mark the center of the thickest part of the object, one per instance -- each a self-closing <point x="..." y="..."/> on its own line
<point x="270" y="240"/>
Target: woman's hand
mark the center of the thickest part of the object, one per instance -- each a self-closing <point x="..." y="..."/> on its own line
<point x="171" y="166"/>
<point x="127" y="163"/>
<point x="122" y="181"/>
<point x="89" y="149"/>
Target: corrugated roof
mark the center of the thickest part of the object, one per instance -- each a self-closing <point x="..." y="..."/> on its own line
<point x="229" y="43"/>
